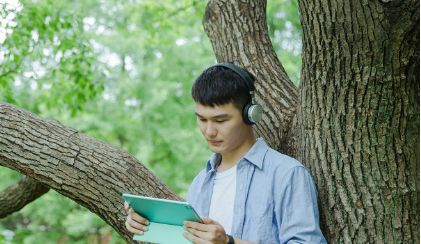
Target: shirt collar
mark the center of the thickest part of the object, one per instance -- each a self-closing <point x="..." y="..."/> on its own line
<point x="255" y="155"/>
<point x="214" y="161"/>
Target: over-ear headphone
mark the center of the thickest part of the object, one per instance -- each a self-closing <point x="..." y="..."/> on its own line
<point x="252" y="112"/>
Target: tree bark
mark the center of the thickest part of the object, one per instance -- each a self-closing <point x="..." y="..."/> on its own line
<point x="17" y="196"/>
<point x="358" y="120"/>
<point x="354" y="122"/>
<point x="238" y="33"/>
<point x="91" y="173"/>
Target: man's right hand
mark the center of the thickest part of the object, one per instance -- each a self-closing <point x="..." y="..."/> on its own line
<point x="135" y="223"/>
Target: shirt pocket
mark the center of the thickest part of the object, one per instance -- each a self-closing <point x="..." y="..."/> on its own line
<point x="260" y="217"/>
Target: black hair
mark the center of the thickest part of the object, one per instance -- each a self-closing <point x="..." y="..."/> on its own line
<point x="219" y="86"/>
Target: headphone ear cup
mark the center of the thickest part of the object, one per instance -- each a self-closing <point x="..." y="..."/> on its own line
<point x="252" y="113"/>
<point x="246" y="117"/>
<point x="255" y="112"/>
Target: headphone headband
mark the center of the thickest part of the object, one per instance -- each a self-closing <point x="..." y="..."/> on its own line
<point x="252" y="112"/>
<point x="241" y="72"/>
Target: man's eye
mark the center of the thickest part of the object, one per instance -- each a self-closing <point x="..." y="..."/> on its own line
<point x="221" y="120"/>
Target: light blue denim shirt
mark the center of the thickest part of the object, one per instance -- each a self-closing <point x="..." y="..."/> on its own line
<point x="275" y="201"/>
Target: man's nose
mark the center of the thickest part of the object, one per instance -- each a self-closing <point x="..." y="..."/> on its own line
<point x="210" y="129"/>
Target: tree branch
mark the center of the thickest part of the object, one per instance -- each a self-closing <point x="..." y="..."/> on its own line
<point x="17" y="196"/>
<point x="90" y="172"/>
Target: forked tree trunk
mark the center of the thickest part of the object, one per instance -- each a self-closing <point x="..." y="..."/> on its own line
<point x="355" y="124"/>
<point x="238" y="33"/>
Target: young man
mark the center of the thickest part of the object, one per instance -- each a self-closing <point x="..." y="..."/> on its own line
<point x="248" y="192"/>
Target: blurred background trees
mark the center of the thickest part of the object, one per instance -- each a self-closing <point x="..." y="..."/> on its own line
<point x="120" y="72"/>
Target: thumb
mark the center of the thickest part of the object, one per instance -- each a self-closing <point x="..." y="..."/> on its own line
<point x="126" y="206"/>
<point x="209" y="221"/>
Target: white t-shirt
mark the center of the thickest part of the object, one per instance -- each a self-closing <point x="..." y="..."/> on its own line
<point x="222" y="202"/>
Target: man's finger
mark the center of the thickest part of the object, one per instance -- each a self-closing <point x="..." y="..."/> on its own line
<point x="195" y="225"/>
<point x="203" y="235"/>
<point x="136" y="217"/>
<point x="133" y="230"/>
<point x="209" y="221"/>
<point x="194" y="238"/>
<point x="136" y="225"/>
<point x="126" y="206"/>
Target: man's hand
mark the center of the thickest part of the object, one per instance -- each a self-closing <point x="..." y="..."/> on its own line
<point x="135" y="223"/>
<point x="208" y="232"/>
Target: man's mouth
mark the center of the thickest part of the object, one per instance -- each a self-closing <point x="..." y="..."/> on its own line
<point x="214" y="142"/>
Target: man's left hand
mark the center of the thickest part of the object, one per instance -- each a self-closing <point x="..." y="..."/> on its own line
<point x="209" y="231"/>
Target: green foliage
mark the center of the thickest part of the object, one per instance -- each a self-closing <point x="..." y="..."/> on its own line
<point x="47" y="59"/>
<point x="121" y="72"/>
<point x="285" y="33"/>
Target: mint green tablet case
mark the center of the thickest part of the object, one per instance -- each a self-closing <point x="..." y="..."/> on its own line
<point x="166" y="218"/>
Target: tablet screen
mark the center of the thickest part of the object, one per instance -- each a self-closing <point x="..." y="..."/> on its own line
<point x="162" y="210"/>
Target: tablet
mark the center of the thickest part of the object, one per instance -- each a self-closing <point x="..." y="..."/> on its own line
<point x="165" y="217"/>
<point x="162" y="210"/>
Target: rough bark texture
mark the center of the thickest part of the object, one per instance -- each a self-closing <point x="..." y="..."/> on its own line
<point x="91" y="173"/>
<point x="358" y="120"/>
<point x="15" y="197"/>
<point x="238" y="33"/>
<point x="356" y="126"/>
<point x="358" y="123"/>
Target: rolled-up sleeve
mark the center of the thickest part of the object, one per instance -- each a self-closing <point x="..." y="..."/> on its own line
<point x="296" y="210"/>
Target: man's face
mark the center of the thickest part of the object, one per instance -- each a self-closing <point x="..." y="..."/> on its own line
<point x="222" y="127"/>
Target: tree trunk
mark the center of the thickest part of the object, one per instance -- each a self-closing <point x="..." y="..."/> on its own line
<point x="91" y="173"/>
<point x="358" y="120"/>
<point x="238" y="33"/>
<point x="355" y="124"/>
